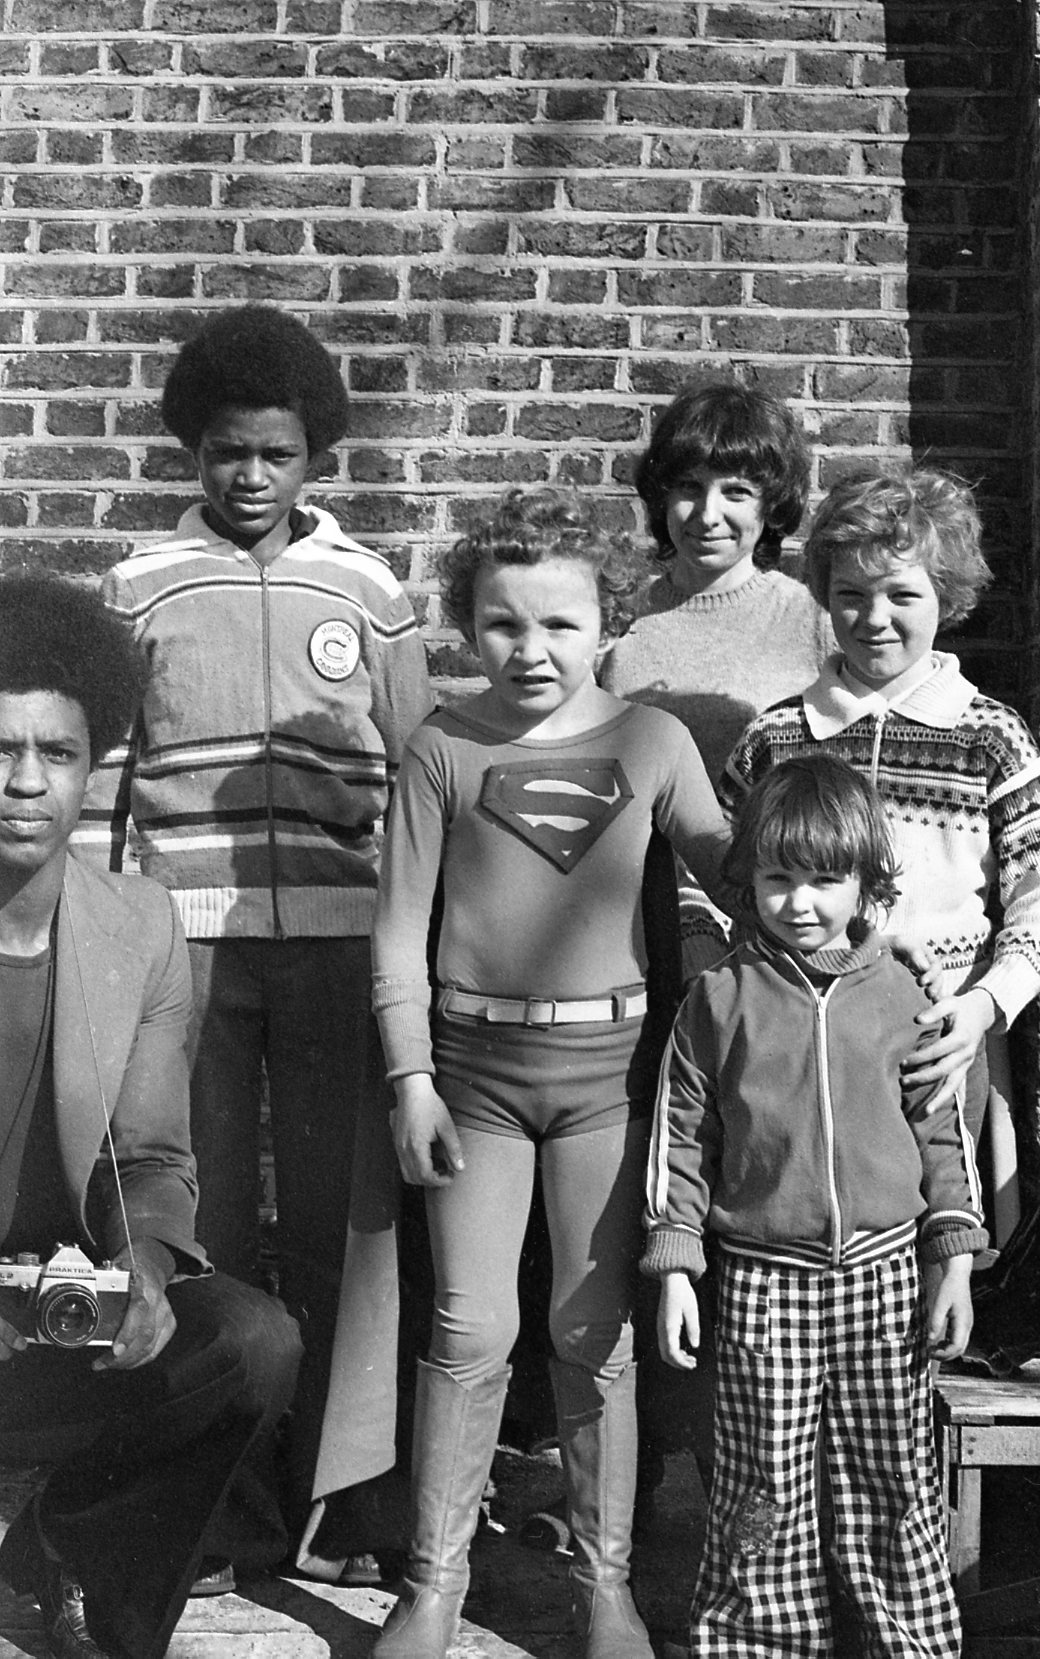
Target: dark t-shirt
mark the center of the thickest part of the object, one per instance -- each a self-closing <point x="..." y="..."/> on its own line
<point x="35" y="1209"/>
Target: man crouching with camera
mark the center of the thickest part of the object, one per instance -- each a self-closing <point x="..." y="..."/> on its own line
<point x="138" y="1377"/>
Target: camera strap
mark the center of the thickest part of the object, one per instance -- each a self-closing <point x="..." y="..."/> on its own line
<point x="97" y="1076"/>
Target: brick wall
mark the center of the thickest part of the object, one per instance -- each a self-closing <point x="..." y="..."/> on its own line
<point x="521" y="224"/>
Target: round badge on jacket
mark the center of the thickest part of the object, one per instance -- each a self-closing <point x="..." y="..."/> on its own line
<point x="334" y="649"/>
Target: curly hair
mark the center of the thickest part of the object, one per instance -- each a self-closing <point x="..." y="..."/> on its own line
<point x="814" y="813"/>
<point x="526" y="529"/>
<point x="59" y="636"/>
<point x="729" y="429"/>
<point x="924" y="516"/>
<point x="255" y="357"/>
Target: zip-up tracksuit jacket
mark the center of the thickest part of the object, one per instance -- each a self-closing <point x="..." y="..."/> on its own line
<point x="782" y="1123"/>
<point x="278" y="703"/>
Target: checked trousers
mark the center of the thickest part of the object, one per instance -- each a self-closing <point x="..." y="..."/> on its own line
<point x="839" y="1354"/>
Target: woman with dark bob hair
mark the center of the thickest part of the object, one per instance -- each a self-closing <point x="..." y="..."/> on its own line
<point x="724" y="633"/>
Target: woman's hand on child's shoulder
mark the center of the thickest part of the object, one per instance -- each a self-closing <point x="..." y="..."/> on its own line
<point x="960" y="1023"/>
<point x="425" y="1138"/>
<point x="678" y="1321"/>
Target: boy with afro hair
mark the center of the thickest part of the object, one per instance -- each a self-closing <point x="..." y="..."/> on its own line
<point x="285" y="673"/>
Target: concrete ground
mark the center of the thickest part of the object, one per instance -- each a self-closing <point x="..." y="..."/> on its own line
<point x="518" y="1602"/>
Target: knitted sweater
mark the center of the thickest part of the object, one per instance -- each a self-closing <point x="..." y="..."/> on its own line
<point x="278" y="703"/>
<point x="960" y="778"/>
<point x="715" y="660"/>
<point x="783" y="1122"/>
<point x="540" y="844"/>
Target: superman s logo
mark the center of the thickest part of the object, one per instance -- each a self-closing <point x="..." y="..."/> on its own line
<point x="558" y="807"/>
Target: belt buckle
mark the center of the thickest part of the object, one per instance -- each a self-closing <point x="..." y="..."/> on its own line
<point x="531" y="1017"/>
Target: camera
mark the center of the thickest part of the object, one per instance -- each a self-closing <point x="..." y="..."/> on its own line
<point x="66" y="1302"/>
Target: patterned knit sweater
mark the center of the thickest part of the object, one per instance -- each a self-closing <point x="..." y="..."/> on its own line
<point x="278" y="703"/>
<point x="960" y="778"/>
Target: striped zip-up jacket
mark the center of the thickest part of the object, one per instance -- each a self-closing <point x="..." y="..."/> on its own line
<point x="278" y="702"/>
<point x="783" y="1125"/>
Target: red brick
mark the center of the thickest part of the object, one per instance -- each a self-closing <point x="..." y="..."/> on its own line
<point x="297" y="104"/>
<point x="550" y="17"/>
<point x="543" y="331"/>
<point x="72" y="16"/>
<point x="141" y="513"/>
<point x="801" y="112"/>
<point x="313" y="17"/>
<point x="754" y="332"/>
<point x="62" y="104"/>
<point x="706" y="63"/>
<point x="374" y="466"/>
<point x="564" y="422"/>
<point x="456" y="106"/>
<point x="373" y="513"/>
<point x="133" y="148"/>
<point x="245" y="59"/>
<point x="470" y="193"/>
<point x="170" y="464"/>
<point x="61" y="327"/>
<point x="400" y="61"/>
<point x="675" y="107"/>
<point x="774" y="244"/>
<point x="178" y="104"/>
<point x="770" y="22"/>
<point x="16" y="420"/>
<point x="19" y="148"/>
<point x="274" y="236"/>
<point x="287" y="191"/>
<point x="486" y="373"/>
<point x="628" y="195"/>
<point x="706" y="153"/>
<point x="203" y="17"/>
<point x="731" y="198"/>
<point x="140" y="57"/>
<point x="398" y="421"/>
<point x="68" y="236"/>
<point x="358" y="328"/>
<point x="74" y="148"/>
<point x="584" y="374"/>
<point x="14" y="57"/>
<point x="501" y="467"/>
<point x="65" y="461"/>
<point x="482" y="236"/>
<point x="76" y="420"/>
<point x="364" y="150"/>
<point x="166" y="282"/>
<point x="484" y="60"/>
<point x="10" y="328"/>
<point x="581" y="239"/>
<point x="294" y="280"/>
<point x="566" y="153"/>
<point x="668" y="288"/>
<point x="274" y="149"/>
<point x="55" y="192"/>
<point x="577" y="287"/>
<point x="68" y="58"/>
<point x="389" y="194"/>
<point x="415" y="17"/>
<point x="378" y="374"/>
<point x="606" y="64"/>
<point x="180" y="190"/>
<point x="474" y="286"/>
<point x="356" y="235"/>
<point x="41" y="280"/>
<point x="60" y="508"/>
<point x="14" y="512"/>
<point x="485" y="420"/>
<point x="578" y="471"/>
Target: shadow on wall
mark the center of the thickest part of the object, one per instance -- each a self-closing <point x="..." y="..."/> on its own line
<point x="965" y="75"/>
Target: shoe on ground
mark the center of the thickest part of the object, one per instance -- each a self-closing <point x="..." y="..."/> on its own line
<point x="62" y="1607"/>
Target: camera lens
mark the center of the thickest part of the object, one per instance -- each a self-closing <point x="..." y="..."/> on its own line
<point x="68" y="1316"/>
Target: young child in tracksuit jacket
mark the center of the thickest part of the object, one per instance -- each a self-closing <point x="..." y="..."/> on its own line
<point x="785" y="1128"/>
<point x="285" y="671"/>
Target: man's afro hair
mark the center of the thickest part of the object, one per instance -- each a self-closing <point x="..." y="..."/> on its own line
<point x="255" y="357"/>
<point x="59" y="636"/>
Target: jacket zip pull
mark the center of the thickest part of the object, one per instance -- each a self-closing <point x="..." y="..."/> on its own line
<point x="875" y="758"/>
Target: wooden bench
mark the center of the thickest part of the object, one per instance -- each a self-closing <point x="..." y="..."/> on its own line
<point x="984" y="1422"/>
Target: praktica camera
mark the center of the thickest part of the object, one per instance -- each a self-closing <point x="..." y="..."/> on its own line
<point x="66" y="1302"/>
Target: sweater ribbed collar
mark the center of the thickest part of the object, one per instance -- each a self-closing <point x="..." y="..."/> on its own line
<point x="940" y="700"/>
<point x="824" y="964"/>
<point x="665" y="595"/>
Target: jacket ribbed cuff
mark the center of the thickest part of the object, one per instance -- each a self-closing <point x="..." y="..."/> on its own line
<point x="673" y="1250"/>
